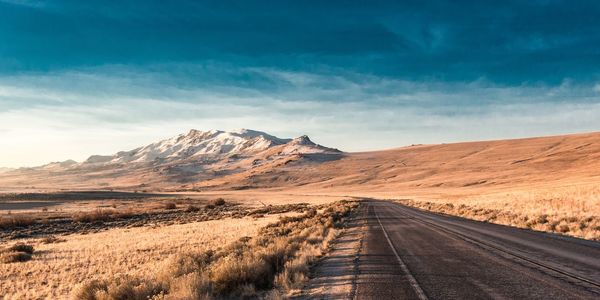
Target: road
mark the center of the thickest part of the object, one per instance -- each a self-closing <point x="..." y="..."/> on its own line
<point x="411" y="254"/>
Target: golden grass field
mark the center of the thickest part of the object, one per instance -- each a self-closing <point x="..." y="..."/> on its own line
<point x="56" y="268"/>
<point x="272" y="265"/>
<point x="571" y="210"/>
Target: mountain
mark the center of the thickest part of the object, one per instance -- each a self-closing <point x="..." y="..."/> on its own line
<point x="186" y="158"/>
<point x="246" y="159"/>
<point x="197" y="144"/>
<point x="456" y="168"/>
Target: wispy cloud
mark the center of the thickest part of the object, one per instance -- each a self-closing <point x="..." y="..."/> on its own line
<point x="75" y="114"/>
<point x="30" y="3"/>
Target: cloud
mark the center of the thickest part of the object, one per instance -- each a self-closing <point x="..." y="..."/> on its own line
<point x="76" y="114"/>
<point x="28" y="3"/>
<point x="521" y="41"/>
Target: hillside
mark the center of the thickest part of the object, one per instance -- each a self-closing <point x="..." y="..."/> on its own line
<point x="217" y="160"/>
<point x="460" y="167"/>
<point x="170" y="163"/>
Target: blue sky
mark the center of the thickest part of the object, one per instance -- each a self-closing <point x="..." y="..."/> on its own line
<point x="84" y="77"/>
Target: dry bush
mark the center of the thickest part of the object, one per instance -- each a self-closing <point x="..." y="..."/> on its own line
<point x="101" y="215"/>
<point x="8" y="222"/>
<point x="125" y="287"/>
<point x="279" y="257"/>
<point x="217" y="202"/>
<point x="170" y="205"/>
<point x="278" y="209"/>
<point x="20" y="248"/>
<point x="12" y="257"/>
<point x="51" y="240"/>
<point x="98" y="215"/>
<point x="16" y="253"/>
<point x="192" y="208"/>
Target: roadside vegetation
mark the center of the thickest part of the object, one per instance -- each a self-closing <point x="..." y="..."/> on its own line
<point x="60" y="261"/>
<point x="273" y="264"/>
<point x="573" y="211"/>
<point x="12" y="221"/>
<point x="16" y="253"/>
<point x="26" y="225"/>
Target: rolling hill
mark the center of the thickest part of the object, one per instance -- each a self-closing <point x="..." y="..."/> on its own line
<point x="247" y="159"/>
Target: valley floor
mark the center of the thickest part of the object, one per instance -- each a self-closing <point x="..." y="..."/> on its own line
<point x="145" y="242"/>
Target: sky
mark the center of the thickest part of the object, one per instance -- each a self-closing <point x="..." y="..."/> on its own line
<point x="83" y="77"/>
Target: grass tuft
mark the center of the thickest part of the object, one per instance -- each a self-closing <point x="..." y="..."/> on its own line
<point x="16" y="253"/>
<point x="218" y="202"/>
<point x="13" y="257"/>
<point x="20" y="248"/>
<point x="7" y="222"/>
<point x="170" y="205"/>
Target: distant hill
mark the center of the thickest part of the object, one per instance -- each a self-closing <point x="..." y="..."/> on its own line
<point x="458" y="167"/>
<point x="191" y="157"/>
<point x="247" y="159"/>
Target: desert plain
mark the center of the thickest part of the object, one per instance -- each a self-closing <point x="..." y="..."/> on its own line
<point x="251" y="224"/>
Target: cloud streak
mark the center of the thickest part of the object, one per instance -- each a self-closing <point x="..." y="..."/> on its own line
<point x="93" y="111"/>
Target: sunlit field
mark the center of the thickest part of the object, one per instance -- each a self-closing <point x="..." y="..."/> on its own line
<point x="57" y="268"/>
<point x="572" y="210"/>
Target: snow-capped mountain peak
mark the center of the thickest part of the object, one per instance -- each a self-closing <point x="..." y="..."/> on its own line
<point x="190" y="157"/>
<point x="197" y="143"/>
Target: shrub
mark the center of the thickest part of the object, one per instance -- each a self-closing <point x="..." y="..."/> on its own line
<point x="16" y="253"/>
<point x="51" y="240"/>
<point x="98" y="215"/>
<point x="12" y="257"/>
<point x="563" y="228"/>
<point x="170" y="205"/>
<point x="192" y="208"/>
<point x="20" y="248"/>
<point x="117" y="288"/>
<point x="218" y="202"/>
<point x="16" y="221"/>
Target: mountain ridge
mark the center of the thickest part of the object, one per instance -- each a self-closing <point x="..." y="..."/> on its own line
<point x="194" y="143"/>
<point x="301" y="164"/>
<point x="187" y="157"/>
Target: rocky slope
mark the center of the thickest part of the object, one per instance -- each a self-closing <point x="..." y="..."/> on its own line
<point x="185" y="158"/>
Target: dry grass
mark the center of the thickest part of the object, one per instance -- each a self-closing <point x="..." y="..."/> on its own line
<point x="217" y="202"/>
<point x="573" y="211"/>
<point x="20" y="248"/>
<point x="16" y="253"/>
<point x="192" y="208"/>
<point x="11" y="221"/>
<point x="56" y="268"/>
<point x="100" y="215"/>
<point x="170" y="205"/>
<point x="13" y="257"/>
<point x="278" y="258"/>
<point x="51" y="240"/>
